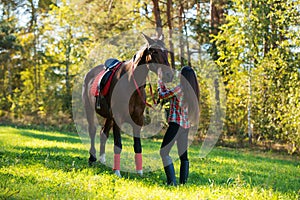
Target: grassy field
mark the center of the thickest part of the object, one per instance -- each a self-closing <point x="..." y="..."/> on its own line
<point x="53" y="165"/>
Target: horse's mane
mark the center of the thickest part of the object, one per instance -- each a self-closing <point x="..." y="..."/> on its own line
<point x="139" y="55"/>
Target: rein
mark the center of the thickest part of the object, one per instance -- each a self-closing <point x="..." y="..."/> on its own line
<point x="139" y="91"/>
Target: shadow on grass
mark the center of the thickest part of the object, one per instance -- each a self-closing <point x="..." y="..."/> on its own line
<point x="54" y="157"/>
<point x="62" y="138"/>
<point x="228" y="167"/>
<point x="270" y="158"/>
<point x="222" y="167"/>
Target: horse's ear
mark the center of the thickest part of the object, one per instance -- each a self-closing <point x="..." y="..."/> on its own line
<point x="149" y="40"/>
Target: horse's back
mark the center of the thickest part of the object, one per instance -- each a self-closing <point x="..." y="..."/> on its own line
<point x="92" y="73"/>
<point x="89" y="99"/>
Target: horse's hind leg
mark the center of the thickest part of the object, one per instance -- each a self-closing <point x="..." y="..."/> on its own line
<point x="90" y="113"/>
<point x="138" y="150"/>
<point x="92" y="133"/>
<point x="103" y="138"/>
<point x="117" y="149"/>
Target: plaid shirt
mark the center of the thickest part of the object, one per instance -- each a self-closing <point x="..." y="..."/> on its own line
<point x="178" y="113"/>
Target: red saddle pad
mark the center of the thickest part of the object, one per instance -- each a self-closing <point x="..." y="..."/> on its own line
<point x="94" y="88"/>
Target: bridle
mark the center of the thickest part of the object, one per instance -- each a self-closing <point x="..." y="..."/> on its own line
<point x="165" y="58"/>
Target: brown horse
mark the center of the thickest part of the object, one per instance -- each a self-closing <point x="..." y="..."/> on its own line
<point x="125" y="100"/>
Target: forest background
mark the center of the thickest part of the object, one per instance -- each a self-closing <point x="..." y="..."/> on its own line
<point x="254" y="45"/>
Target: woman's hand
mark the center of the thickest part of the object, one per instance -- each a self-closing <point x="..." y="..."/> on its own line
<point x="159" y="73"/>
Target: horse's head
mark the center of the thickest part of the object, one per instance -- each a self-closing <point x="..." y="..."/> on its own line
<point x="155" y="55"/>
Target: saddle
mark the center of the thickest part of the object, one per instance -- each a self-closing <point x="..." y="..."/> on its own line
<point x="101" y="84"/>
<point x="110" y="67"/>
<point x="111" y="63"/>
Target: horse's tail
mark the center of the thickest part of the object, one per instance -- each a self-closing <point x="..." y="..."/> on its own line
<point x="89" y="100"/>
<point x="88" y="107"/>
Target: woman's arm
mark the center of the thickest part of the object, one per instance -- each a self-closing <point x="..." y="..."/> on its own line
<point x="165" y="93"/>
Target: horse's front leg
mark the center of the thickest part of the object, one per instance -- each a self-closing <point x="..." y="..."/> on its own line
<point x="117" y="149"/>
<point x="138" y="150"/>
<point x="103" y="138"/>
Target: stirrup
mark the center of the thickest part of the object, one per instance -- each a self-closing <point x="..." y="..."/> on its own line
<point x="98" y="102"/>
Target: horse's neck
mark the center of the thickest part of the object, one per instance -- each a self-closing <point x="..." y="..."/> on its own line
<point x="140" y="73"/>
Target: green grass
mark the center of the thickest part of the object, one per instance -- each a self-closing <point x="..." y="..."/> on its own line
<point x="53" y="165"/>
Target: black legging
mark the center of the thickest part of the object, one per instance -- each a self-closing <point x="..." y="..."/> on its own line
<point x="174" y="133"/>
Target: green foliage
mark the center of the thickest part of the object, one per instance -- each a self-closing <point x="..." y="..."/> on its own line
<point x="65" y="52"/>
<point x="53" y="165"/>
<point x="278" y="106"/>
<point x="10" y="50"/>
<point x="105" y="19"/>
<point x="257" y="49"/>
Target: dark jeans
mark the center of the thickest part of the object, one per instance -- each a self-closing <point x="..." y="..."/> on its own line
<point x="178" y="134"/>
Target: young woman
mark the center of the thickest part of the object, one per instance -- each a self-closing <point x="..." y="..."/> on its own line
<point x="184" y="110"/>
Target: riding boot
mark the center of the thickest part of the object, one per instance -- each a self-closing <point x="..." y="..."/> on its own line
<point x="170" y="173"/>
<point x="184" y="171"/>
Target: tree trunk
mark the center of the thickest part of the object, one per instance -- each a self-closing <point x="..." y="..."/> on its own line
<point x="187" y="40"/>
<point x="9" y="76"/>
<point x="181" y="45"/>
<point x="216" y="20"/>
<point x="249" y="111"/>
<point x="217" y="15"/>
<point x="169" y="21"/>
<point x="67" y="75"/>
<point x="157" y="16"/>
<point x="250" y="91"/>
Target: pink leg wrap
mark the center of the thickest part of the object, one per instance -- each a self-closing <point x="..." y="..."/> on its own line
<point x="116" y="162"/>
<point x="138" y="161"/>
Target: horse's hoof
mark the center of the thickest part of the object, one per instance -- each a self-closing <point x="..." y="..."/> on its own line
<point x="102" y="159"/>
<point x="139" y="172"/>
<point x="91" y="163"/>
<point x="92" y="159"/>
<point x="118" y="173"/>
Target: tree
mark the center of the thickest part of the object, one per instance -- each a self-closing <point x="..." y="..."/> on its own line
<point x="158" y="22"/>
<point x="248" y="41"/>
<point x="170" y="31"/>
<point x="105" y="19"/>
<point x="65" y="50"/>
<point x="10" y="50"/>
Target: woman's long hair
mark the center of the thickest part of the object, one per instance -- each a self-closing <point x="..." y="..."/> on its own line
<point x="190" y="88"/>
